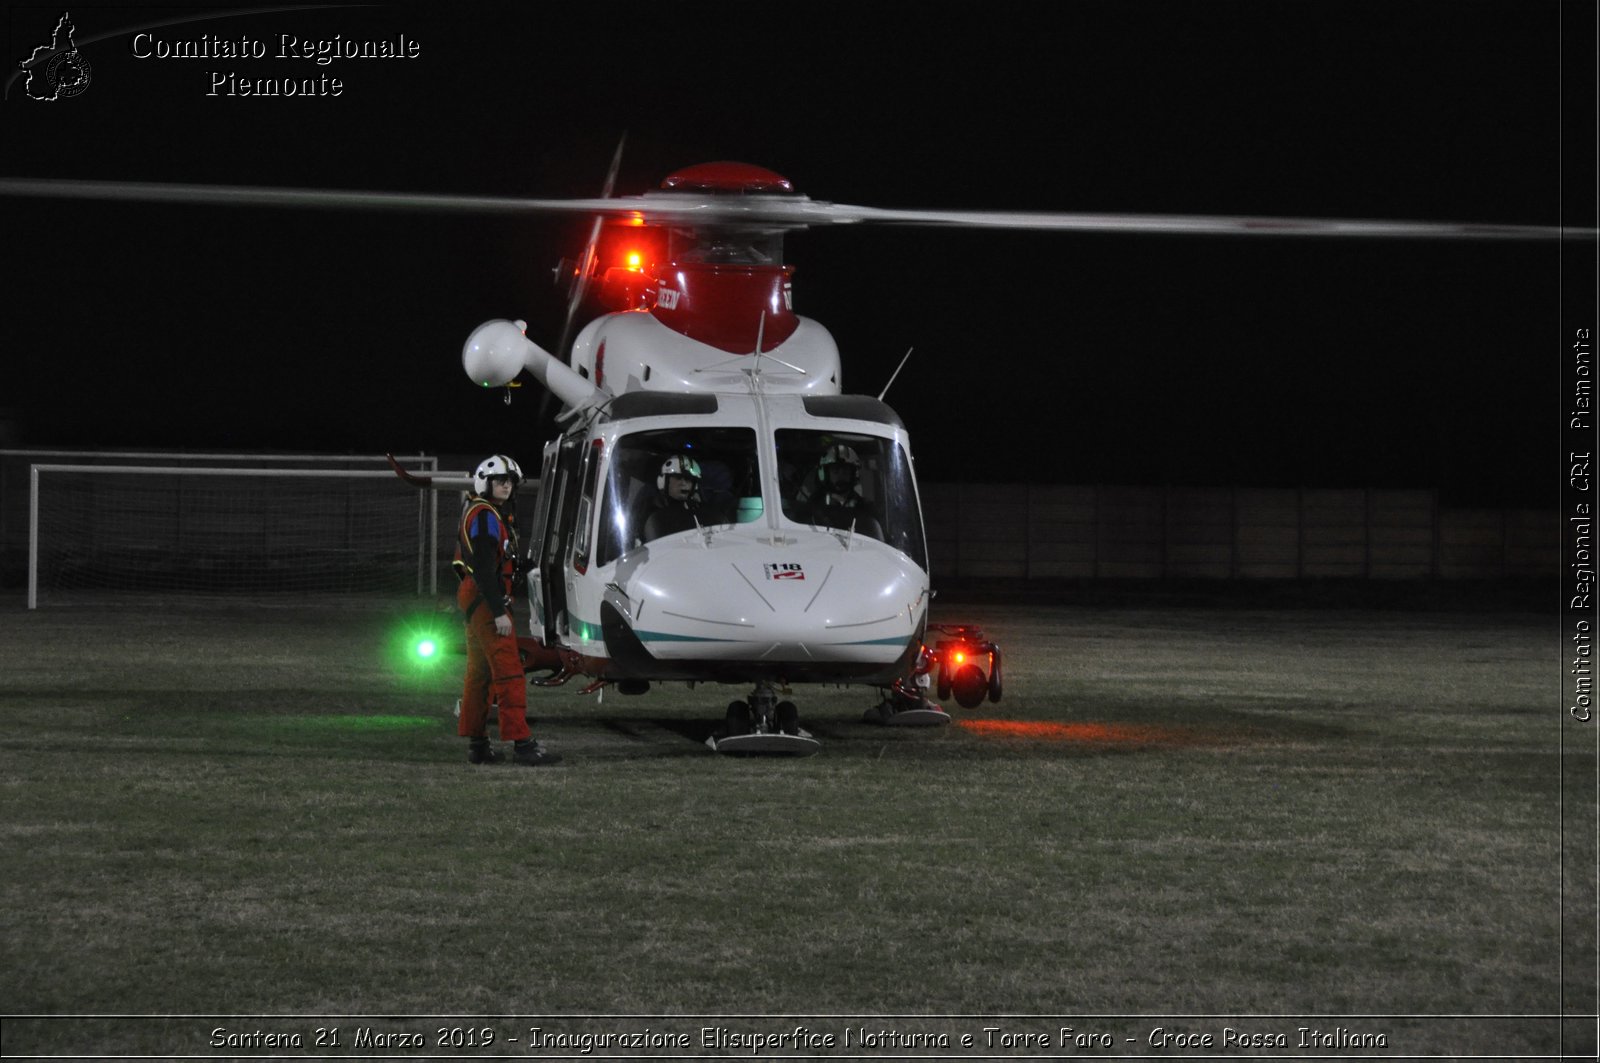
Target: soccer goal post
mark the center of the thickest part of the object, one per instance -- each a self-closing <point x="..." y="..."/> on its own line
<point x="227" y="531"/>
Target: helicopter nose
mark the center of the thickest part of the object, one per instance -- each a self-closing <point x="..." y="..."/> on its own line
<point x="806" y="600"/>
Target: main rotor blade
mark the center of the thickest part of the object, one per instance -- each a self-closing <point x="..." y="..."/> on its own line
<point x="1201" y="224"/>
<point x="430" y="482"/>
<point x="580" y="288"/>
<point x="785" y="212"/>
<point x="301" y="198"/>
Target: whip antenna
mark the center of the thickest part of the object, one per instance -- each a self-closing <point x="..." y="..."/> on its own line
<point x="895" y="374"/>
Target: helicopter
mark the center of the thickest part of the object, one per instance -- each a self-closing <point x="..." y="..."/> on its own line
<point x="702" y="364"/>
<point x="701" y="361"/>
<point x="701" y="358"/>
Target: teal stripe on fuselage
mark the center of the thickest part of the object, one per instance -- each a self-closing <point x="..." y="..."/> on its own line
<point x="585" y="630"/>
<point x="667" y="636"/>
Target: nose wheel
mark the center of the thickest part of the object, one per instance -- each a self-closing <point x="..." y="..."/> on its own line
<point x="763" y="724"/>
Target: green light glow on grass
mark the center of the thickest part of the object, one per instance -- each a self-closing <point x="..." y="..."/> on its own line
<point x="347" y="722"/>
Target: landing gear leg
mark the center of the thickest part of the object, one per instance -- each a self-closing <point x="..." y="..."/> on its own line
<point x="905" y="704"/>
<point x="763" y="724"/>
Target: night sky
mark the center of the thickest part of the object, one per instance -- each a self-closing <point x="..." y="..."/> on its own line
<point x="1039" y="357"/>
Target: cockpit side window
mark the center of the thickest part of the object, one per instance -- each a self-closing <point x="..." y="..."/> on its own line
<point x="850" y="480"/>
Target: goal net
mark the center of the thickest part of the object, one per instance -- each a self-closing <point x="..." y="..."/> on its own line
<point x="228" y="531"/>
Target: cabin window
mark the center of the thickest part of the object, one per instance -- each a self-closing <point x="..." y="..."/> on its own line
<point x="591" y="478"/>
<point x="729" y="490"/>
<point x="849" y="480"/>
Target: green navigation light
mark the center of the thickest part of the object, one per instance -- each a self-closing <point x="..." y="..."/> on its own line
<point x="419" y="645"/>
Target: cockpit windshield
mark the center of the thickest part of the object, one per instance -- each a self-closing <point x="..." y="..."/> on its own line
<point x="665" y="481"/>
<point x="853" y="481"/>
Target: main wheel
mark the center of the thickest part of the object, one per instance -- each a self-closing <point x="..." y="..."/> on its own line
<point x="786" y="718"/>
<point x="739" y="720"/>
<point x="971" y="686"/>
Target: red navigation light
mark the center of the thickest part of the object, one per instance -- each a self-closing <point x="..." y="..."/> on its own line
<point x="636" y="261"/>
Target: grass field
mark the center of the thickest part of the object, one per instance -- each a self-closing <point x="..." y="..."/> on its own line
<point x="221" y="810"/>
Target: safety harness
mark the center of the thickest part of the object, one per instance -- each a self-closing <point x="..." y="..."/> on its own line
<point x="505" y="546"/>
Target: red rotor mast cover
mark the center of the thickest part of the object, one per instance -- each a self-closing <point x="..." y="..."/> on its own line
<point x="728" y="177"/>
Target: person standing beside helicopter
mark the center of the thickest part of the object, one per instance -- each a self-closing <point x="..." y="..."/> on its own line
<point x="485" y="562"/>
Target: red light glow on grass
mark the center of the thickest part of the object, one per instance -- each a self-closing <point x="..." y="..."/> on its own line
<point x="1085" y="733"/>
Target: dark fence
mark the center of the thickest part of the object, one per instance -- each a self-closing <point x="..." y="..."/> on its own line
<point x="1078" y="533"/>
<point x="1055" y="532"/>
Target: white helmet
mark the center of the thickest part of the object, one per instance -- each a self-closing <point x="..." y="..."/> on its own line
<point x="678" y="465"/>
<point x="838" y="454"/>
<point x="498" y="465"/>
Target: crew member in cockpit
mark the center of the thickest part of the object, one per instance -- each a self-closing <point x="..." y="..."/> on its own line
<point x="677" y="502"/>
<point x="838" y="502"/>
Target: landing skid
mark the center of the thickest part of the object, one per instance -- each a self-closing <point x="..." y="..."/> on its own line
<point x="898" y="711"/>
<point x="776" y="744"/>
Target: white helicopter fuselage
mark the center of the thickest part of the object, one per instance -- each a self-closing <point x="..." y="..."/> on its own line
<point x="634" y="351"/>
<point x="768" y="577"/>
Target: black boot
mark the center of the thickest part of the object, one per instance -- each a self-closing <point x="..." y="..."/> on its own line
<point x="533" y="755"/>
<point x="479" y="751"/>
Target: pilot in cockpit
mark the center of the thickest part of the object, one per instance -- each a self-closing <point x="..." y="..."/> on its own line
<point x="838" y="501"/>
<point x="677" y="502"/>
